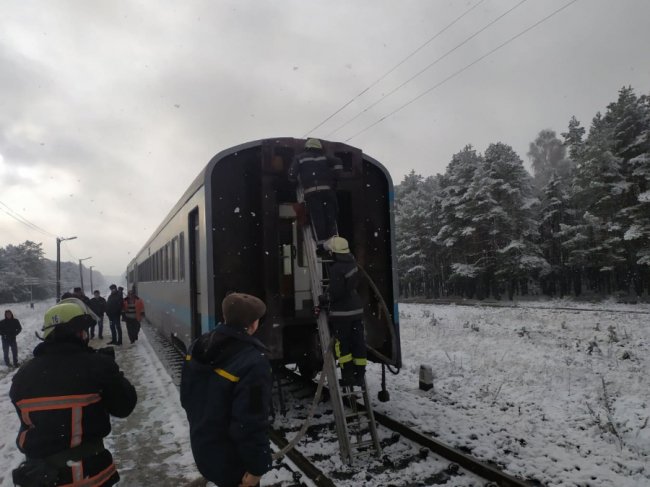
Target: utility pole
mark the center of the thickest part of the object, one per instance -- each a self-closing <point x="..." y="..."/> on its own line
<point x="58" y="265"/>
<point x="81" y="274"/>
<point x="91" y="279"/>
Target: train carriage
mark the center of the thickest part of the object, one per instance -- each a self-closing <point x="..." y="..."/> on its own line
<point x="236" y="229"/>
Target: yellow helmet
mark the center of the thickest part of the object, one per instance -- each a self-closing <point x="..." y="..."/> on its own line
<point x="338" y="245"/>
<point x="71" y="312"/>
<point x="313" y="144"/>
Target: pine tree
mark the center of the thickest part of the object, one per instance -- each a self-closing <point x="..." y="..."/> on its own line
<point x="548" y="156"/>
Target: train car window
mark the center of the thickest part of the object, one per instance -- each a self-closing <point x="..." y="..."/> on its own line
<point x="174" y="259"/>
<point x="167" y="262"/>
<point x="281" y="160"/>
<point x="347" y="158"/>
<point x="181" y="257"/>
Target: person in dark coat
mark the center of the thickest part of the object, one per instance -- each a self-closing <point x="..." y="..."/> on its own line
<point x="226" y="393"/>
<point x="9" y="330"/>
<point x="114" y="305"/>
<point x="79" y="294"/>
<point x="64" y="398"/>
<point x="317" y="174"/>
<point x="346" y="312"/>
<point x="98" y="305"/>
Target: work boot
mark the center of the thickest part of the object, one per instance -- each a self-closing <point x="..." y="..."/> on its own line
<point x="347" y="376"/>
<point x="359" y="375"/>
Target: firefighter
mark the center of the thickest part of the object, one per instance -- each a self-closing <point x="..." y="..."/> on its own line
<point x="346" y="312"/>
<point x="317" y="174"/>
<point x="64" y="397"/>
<point x="226" y="393"/>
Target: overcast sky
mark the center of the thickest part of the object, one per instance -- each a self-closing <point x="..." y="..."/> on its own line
<point x="109" y="109"/>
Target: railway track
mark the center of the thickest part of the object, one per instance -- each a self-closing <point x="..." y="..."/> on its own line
<point x="490" y="304"/>
<point x="409" y="458"/>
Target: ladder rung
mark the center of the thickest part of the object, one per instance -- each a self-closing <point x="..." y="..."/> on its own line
<point x="363" y="444"/>
<point x="357" y="414"/>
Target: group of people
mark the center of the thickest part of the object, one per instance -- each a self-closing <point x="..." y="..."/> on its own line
<point x="117" y="308"/>
<point x="317" y="173"/>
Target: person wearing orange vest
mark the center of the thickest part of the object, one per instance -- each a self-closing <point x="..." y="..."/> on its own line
<point x="132" y="312"/>
<point x="64" y="397"/>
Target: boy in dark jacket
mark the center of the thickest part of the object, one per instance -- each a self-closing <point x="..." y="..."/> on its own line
<point x="9" y="330"/>
<point x="64" y="398"/>
<point x="226" y="393"/>
<point x="346" y="312"/>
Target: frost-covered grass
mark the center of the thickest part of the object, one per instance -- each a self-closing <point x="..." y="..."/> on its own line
<point x="559" y="396"/>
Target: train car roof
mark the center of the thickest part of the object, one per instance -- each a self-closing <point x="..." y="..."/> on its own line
<point x="199" y="181"/>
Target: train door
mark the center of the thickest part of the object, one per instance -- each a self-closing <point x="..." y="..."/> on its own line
<point x="195" y="281"/>
<point x="295" y="287"/>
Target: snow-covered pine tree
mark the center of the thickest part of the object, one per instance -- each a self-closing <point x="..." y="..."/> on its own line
<point x="548" y="156"/>
<point x="508" y="208"/>
<point x="458" y="237"/>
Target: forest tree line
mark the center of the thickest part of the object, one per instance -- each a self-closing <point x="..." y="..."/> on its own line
<point x="25" y="273"/>
<point x="579" y="225"/>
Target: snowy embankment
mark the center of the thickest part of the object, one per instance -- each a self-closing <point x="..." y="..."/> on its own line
<point x="559" y="396"/>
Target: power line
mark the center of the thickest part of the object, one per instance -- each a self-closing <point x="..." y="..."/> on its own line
<point x="462" y="69"/>
<point x="435" y="36"/>
<point x="490" y="24"/>
<point x="20" y="219"/>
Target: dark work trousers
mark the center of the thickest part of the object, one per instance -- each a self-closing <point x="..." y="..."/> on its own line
<point x="7" y="343"/>
<point x="100" y="328"/>
<point x="351" y="348"/>
<point x="132" y="328"/>
<point x="323" y="209"/>
<point x="116" y="329"/>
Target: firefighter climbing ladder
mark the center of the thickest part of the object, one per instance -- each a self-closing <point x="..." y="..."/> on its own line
<point x="361" y="421"/>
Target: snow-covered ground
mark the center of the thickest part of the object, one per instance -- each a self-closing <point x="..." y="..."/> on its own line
<point x="559" y="396"/>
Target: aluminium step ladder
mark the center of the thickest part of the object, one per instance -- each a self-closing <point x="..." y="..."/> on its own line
<point x="360" y="422"/>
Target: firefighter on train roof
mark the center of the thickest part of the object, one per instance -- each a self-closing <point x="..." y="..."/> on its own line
<point x="64" y="397"/>
<point x="317" y="173"/>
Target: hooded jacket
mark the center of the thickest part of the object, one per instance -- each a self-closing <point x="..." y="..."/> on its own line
<point x="226" y="393"/>
<point x="10" y="328"/>
<point x="64" y="397"/>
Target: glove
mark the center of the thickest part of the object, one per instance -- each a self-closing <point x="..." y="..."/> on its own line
<point x="316" y="311"/>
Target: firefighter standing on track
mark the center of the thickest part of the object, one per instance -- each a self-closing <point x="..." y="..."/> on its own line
<point x="346" y="312"/>
<point x="317" y="173"/>
<point x="64" y="398"/>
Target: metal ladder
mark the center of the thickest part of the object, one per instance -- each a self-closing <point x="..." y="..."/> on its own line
<point x="360" y="422"/>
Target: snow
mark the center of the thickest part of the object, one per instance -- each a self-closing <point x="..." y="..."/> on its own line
<point x="548" y="393"/>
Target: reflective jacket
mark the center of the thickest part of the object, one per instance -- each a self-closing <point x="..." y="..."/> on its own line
<point x="64" y="397"/>
<point x="315" y="169"/>
<point x="344" y="278"/>
<point x="133" y="308"/>
<point x="226" y="393"/>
